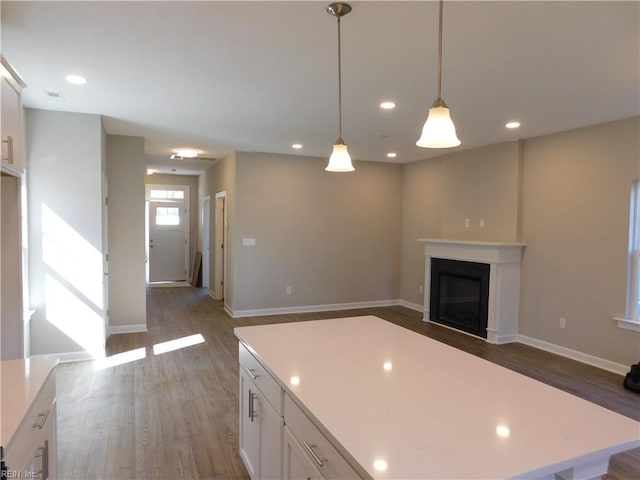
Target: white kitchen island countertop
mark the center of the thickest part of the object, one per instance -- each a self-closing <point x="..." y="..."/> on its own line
<point x="20" y="382"/>
<point x="389" y="397"/>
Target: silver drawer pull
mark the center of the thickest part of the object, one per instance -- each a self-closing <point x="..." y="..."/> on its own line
<point x="250" y="372"/>
<point x="319" y="461"/>
<point x="43" y="419"/>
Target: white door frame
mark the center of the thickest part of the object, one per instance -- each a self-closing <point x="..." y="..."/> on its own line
<point x="186" y="202"/>
<point x="220" y="247"/>
<point x="206" y="241"/>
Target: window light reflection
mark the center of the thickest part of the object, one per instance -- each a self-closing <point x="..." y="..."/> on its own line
<point x="120" y="358"/>
<point x="178" y="343"/>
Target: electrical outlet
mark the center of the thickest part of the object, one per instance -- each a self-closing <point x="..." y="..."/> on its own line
<point x="288" y="290"/>
<point x="467" y="223"/>
<point x="421" y="289"/>
<point x="482" y="223"/>
<point x="563" y="322"/>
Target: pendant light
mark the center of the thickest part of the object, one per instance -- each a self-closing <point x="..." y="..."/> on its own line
<point x="439" y="130"/>
<point x="340" y="160"/>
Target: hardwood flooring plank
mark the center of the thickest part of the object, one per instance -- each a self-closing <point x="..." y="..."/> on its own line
<point x="175" y="415"/>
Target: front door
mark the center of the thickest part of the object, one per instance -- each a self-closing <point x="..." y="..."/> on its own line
<point x="168" y="240"/>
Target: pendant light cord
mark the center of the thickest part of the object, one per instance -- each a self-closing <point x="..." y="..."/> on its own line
<point x="339" y="85"/>
<point x="440" y="53"/>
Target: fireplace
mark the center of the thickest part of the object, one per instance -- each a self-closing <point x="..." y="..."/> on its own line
<point x="502" y="259"/>
<point x="460" y="295"/>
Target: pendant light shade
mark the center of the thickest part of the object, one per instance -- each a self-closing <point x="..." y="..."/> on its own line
<point x="439" y="131"/>
<point x="340" y="160"/>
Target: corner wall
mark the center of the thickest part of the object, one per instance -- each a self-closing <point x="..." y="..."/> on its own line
<point x="126" y="235"/>
<point x="65" y="157"/>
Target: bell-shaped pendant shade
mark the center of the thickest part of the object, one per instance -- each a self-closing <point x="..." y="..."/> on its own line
<point x="439" y="130"/>
<point x="340" y="160"/>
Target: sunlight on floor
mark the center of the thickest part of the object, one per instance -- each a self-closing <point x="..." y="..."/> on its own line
<point x="140" y="353"/>
<point x="164" y="347"/>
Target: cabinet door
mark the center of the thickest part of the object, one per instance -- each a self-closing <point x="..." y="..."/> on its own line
<point x="296" y="464"/>
<point x="249" y="426"/>
<point x="11" y="126"/>
<point x="271" y="429"/>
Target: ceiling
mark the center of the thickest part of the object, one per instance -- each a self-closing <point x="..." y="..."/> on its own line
<point x="260" y="76"/>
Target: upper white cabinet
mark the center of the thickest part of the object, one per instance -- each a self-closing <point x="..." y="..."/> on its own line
<point x="11" y="119"/>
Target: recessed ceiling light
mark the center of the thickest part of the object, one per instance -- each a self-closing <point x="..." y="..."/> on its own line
<point x="512" y="125"/>
<point x="387" y="105"/>
<point x="297" y="146"/>
<point x="187" y="152"/>
<point x="392" y="155"/>
<point x="76" y="79"/>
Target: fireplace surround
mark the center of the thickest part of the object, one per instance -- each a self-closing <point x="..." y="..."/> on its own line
<point x="503" y="260"/>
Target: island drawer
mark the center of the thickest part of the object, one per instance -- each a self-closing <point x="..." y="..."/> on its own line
<point x="29" y="434"/>
<point x="263" y="379"/>
<point x="316" y="446"/>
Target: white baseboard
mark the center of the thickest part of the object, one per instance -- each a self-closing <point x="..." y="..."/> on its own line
<point x="574" y="355"/>
<point x="117" y="329"/>
<point x="70" y="357"/>
<point x="413" y="306"/>
<point x="310" y="308"/>
<point x="212" y="294"/>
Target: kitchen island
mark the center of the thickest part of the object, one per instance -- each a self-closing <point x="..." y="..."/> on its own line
<point x="362" y="397"/>
<point x="28" y="417"/>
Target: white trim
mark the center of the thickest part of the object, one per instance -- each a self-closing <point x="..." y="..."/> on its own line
<point x="118" y="329"/>
<point x="413" y="306"/>
<point x="70" y="357"/>
<point x="633" y="325"/>
<point x="310" y="308"/>
<point x="212" y="294"/>
<point x="574" y="355"/>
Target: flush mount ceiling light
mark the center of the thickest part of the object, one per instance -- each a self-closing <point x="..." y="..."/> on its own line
<point x="340" y="160"/>
<point x="387" y="105"/>
<point x="76" y="79"/>
<point x="296" y="146"/>
<point x="391" y="155"/>
<point x="512" y="125"/>
<point x="185" y="153"/>
<point x="439" y="131"/>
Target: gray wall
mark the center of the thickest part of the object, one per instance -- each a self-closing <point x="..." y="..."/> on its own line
<point x="575" y="222"/>
<point x="65" y="162"/>
<point x="334" y="238"/>
<point x="566" y="196"/>
<point x="126" y="235"/>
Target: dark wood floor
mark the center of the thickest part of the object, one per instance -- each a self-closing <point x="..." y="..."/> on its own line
<point x="174" y="415"/>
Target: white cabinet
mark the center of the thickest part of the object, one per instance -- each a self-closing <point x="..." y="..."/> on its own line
<point x="261" y="423"/>
<point x="11" y="118"/>
<point x="31" y="448"/>
<point x="309" y="454"/>
<point x="296" y="464"/>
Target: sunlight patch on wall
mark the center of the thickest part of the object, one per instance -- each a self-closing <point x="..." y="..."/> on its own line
<point x="72" y="257"/>
<point x="74" y="317"/>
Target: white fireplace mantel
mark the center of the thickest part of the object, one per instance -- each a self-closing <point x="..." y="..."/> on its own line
<point x="504" y="260"/>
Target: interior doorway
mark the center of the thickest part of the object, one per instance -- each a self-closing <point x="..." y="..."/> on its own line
<point x="220" y="233"/>
<point x="167" y="233"/>
<point x="206" y="241"/>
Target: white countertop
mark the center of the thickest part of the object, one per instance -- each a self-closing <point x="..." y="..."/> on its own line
<point x="20" y="381"/>
<point x="434" y="411"/>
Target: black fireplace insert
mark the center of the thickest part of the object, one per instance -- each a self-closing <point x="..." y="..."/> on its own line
<point x="459" y="295"/>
